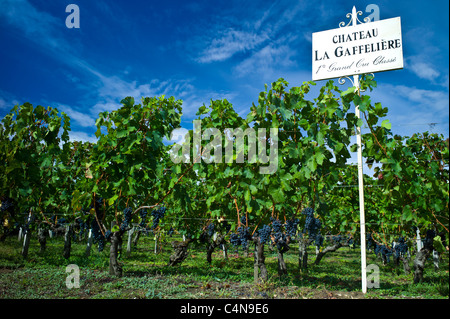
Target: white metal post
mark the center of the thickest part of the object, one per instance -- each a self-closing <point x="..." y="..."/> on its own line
<point x="362" y="221"/>
<point x="26" y="237"/>
<point x="89" y="243"/>
<point x="418" y="240"/>
<point x="130" y="234"/>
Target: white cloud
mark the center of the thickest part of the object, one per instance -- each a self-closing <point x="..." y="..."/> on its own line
<point x="36" y="24"/>
<point x="264" y="17"/>
<point x="7" y="101"/>
<point x="82" y="137"/>
<point x="427" y="56"/>
<point x="196" y="98"/>
<point x="231" y="42"/>
<point x="104" y="106"/>
<point x="287" y="16"/>
<point x="112" y="89"/>
<point x="266" y="62"/>
<point x="430" y="100"/>
<point x="42" y="29"/>
<point x="82" y="119"/>
<point x="115" y="87"/>
<point x="412" y="109"/>
<point x="251" y="35"/>
<point x="422" y="69"/>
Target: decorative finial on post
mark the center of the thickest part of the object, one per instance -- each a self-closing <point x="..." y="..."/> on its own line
<point x="353" y="16"/>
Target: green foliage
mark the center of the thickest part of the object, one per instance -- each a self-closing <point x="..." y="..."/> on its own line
<point x="128" y="162"/>
<point x="33" y="148"/>
<point x="308" y="142"/>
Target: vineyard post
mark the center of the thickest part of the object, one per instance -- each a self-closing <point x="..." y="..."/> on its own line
<point x="20" y="236"/>
<point x="418" y="240"/>
<point x="26" y="237"/>
<point x="362" y="222"/>
<point x="89" y="243"/>
<point x="362" y="219"/>
<point x="130" y="234"/>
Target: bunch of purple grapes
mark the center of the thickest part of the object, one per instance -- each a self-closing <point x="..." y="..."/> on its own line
<point x="384" y="251"/>
<point x="291" y="226"/>
<point x="235" y="240"/>
<point x="6" y="204"/>
<point x="337" y="239"/>
<point x="401" y="248"/>
<point x="428" y="241"/>
<point x="242" y="236"/>
<point x="264" y="234"/>
<point x="210" y="229"/>
<point x="370" y="241"/>
<point x="279" y="237"/>
<point x="126" y="219"/>
<point x="312" y="224"/>
<point x="158" y="214"/>
<point x="97" y="235"/>
<point x="143" y="214"/>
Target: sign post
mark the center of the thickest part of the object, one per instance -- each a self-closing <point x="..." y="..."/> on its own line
<point x="351" y="50"/>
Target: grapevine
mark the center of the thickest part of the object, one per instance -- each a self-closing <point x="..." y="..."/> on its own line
<point x="291" y="226"/>
<point x="279" y="237"/>
<point x="264" y="234"/>
<point x="401" y="248"/>
<point x="126" y="219"/>
<point x="312" y="224"/>
<point x="157" y="215"/>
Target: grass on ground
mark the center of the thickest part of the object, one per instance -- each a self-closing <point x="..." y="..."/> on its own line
<point x="146" y="275"/>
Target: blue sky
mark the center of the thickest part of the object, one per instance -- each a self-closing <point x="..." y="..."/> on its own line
<point x="203" y="50"/>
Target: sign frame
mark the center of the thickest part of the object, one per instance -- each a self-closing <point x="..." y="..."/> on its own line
<point x="360" y="49"/>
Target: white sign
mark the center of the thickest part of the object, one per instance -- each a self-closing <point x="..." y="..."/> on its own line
<point x="363" y="48"/>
